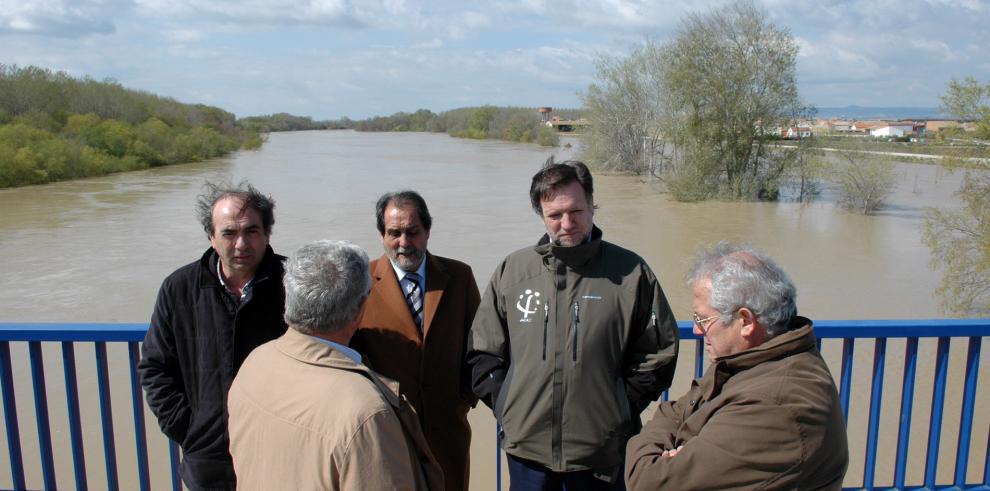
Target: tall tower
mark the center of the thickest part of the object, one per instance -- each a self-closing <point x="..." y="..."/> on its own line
<point x="545" y="113"/>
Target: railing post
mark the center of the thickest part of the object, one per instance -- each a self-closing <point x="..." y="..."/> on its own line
<point x="106" y="415"/>
<point x="876" y="399"/>
<point x="966" y="418"/>
<point x="907" y="405"/>
<point x="498" y="456"/>
<point x="699" y="358"/>
<point x="173" y="459"/>
<point x="41" y="414"/>
<point x="845" y="385"/>
<point x="137" y="404"/>
<point x="10" y="417"/>
<point x="75" y="425"/>
<point x="938" y="401"/>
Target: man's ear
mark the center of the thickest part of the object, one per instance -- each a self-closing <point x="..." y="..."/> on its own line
<point x="750" y="329"/>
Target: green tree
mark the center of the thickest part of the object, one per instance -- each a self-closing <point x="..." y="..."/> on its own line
<point x="699" y="111"/>
<point x="481" y="120"/>
<point x="960" y="245"/>
<point x="731" y="80"/>
<point x="970" y="100"/>
<point x="960" y="239"/>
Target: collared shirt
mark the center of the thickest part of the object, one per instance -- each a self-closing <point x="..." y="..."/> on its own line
<point x="346" y="350"/>
<point x="245" y="292"/>
<point x="401" y="275"/>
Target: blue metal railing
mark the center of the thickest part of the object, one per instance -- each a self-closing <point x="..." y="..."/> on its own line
<point x="879" y="331"/>
<point x="68" y="335"/>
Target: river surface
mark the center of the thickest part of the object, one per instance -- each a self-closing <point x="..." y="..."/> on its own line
<point x="96" y="250"/>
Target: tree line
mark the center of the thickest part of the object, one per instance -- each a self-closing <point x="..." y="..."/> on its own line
<point x="515" y="124"/>
<point x="54" y="127"/>
<point x="288" y="122"/>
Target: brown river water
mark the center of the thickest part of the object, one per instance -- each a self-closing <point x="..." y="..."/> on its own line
<point x="96" y="250"/>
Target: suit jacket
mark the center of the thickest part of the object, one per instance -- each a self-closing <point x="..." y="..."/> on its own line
<point x="305" y="416"/>
<point x="430" y="368"/>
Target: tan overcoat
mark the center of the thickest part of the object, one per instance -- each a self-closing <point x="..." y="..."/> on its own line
<point x="430" y="368"/>
<point x="305" y="416"/>
<point x="765" y="418"/>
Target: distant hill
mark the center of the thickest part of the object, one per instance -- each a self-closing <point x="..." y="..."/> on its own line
<point x="860" y="112"/>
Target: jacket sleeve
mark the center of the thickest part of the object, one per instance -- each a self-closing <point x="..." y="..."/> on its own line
<point x="471" y="309"/>
<point x="160" y="373"/>
<point x="488" y="344"/>
<point x="736" y="449"/>
<point x="651" y="355"/>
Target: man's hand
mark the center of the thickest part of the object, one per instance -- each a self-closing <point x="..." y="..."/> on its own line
<point x="672" y="452"/>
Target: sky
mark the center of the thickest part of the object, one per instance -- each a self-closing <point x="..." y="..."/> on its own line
<point x="359" y="58"/>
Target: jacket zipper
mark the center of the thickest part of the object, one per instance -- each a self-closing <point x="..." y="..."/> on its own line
<point x="546" y="322"/>
<point x="653" y="321"/>
<point x="577" y="324"/>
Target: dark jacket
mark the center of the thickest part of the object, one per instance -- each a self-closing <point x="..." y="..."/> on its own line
<point x="765" y="418"/>
<point x="569" y="345"/>
<point x="198" y="338"/>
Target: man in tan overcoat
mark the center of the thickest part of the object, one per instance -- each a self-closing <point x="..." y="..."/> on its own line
<point x="766" y="414"/>
<point x="414" y="327"/>
<point x="304" y="412"/>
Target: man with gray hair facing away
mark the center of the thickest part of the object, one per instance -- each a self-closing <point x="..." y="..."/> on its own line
<point x="766" y="414"/>
<point x="304" y="412"/>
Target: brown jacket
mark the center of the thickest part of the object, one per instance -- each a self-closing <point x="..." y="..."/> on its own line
<point x="305" y="416"/>
<point x="430" y="369"/>
<point x="765" y="418"/>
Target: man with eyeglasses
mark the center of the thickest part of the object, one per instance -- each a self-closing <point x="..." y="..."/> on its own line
<point x="573" y="338"/>
<point x="766" y="413"/>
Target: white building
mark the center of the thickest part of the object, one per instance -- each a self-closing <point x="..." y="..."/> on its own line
<point x="892" y="130"/>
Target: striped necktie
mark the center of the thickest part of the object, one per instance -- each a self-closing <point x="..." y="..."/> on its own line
<point x="414" y="298"/>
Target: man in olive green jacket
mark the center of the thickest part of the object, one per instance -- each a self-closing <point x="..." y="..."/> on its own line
<point x="305" y="413"/>
<point x="572" y="340"/>
<point x="766" y="414"/>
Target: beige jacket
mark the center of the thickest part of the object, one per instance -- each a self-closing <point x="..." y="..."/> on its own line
<point x="304" y="416"/>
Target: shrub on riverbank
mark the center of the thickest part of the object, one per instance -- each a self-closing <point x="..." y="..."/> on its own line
<point x="55" y="127"/>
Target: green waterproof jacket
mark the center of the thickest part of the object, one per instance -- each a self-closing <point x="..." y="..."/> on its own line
<point x="568" y="346"/>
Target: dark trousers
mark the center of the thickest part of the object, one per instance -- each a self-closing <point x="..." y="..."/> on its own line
<point x="526" y="475"/>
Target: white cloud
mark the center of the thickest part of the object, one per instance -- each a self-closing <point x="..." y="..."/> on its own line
<point x="466" y="24"/>
<point x="335" y="13"/>
<point x="61" y="18"/>
<point x="435" y="43"/>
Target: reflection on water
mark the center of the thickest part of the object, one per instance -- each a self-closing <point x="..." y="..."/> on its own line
<point x="97" y="249"/>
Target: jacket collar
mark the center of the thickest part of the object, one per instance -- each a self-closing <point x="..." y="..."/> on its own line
<point x="304" y="348"/>
<point x="799" y="337"/>
<point x="572" y="256"/>
<point x="208" y="272"/>
<point x="437" y="278"/>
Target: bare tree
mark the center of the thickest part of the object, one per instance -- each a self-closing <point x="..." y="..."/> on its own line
<point x="865" y="181"/>
<point x="626" y="108"/>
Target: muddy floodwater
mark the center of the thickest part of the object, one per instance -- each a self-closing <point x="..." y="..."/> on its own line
<point x="96" y="250"/>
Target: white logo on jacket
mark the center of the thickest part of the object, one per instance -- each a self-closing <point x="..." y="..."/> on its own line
<point x="530" y="307"/>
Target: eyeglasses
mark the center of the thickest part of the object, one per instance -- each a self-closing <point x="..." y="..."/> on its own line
<point x="698" y="321"/>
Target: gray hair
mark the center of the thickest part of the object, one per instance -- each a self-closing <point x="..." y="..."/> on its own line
<point x="744" y="277"/>
<point x="325" y="283"/>
<point x="253" y="200"/>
